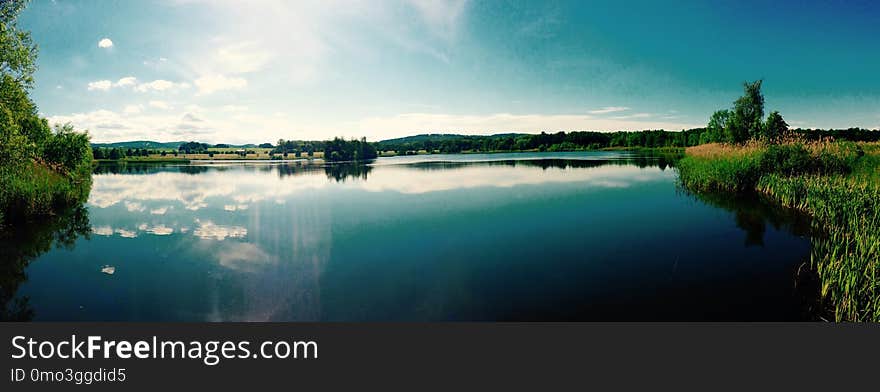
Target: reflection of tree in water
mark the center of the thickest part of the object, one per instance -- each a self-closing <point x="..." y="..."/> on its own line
<point x="753" y="213"/>
<point x="337" y="171"/>
<point x="661" y="161"/>
<point x="22" y="244"/>
<point x="290" y="169"/>
<point x="342" y="171"/>
<point x="195" y="169"/>
<point x="146" y="168"/>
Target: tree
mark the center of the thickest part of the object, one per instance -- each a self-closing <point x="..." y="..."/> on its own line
<point x="67" y="148"/>
<point x="748" y="113"/>
<point x="716" y="130"/>
<point x="18" y="53"/>
<point x="349" y="150"/>
<point x="193" y="148"/>
<point x="775" y="126"/>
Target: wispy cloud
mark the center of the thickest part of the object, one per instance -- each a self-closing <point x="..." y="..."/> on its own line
<point x="102" y="85"/>
<point x="609" y="109"/>
<point x="161" y="85"/>
<point x="633" y="116"/>
<point x="212" y="83"/>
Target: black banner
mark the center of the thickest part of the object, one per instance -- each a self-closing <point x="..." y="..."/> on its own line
<point x="447" y="355"/>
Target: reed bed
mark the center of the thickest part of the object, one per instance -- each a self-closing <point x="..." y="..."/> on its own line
<point x="34" y="189"/>
<point x="836" y="183"/>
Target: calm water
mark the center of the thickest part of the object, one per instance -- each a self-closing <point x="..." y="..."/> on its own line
<point x="573" y="236"/>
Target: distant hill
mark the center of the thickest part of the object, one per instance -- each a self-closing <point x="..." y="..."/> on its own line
<point x="138" y="144"/>
<point x="440" y="137"/>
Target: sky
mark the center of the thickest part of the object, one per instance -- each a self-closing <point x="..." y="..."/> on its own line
<point x="224" y="71"/>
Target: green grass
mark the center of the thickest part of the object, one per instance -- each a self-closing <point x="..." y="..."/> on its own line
<point x="845" y="252"/>
<point x="837" y="184"/>
<point x="735" y="173"/>
<point x="34" y="189"/>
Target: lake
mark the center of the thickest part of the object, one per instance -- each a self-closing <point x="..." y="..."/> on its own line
<point x="509" y="237"/>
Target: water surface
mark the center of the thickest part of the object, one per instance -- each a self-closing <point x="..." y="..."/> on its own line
<point x="567" y="236"/>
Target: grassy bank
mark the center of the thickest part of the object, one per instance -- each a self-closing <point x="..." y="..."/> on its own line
<point x="35" y="188"/>
<point x="838" y="184"/>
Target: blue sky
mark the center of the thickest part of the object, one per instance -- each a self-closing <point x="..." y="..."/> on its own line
<point x="256" y="71"/>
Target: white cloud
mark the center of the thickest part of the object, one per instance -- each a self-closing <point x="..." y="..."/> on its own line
<point x="105" y="85"/>
<point x="103" y="230"/>
<point x="105" y="43"/>
<point x="126" y="81"/>
<point x="160" y="85"/>
<point x="132" y="109"/>
<point x="134" y="206"/>
<point x="102" y="85"/>
<point x="609" y="109"/>
<point x="212" y="83"/>
<point x="126" y="233"/>
<point x="243" y="57"/>
<point x="160" y="105"/>
<point x="209" y="230"/>
<point x="160" y="229"/>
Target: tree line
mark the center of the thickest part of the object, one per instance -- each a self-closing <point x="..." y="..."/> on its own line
<point x="558" y="141"/>
<point x="335" y="150"/>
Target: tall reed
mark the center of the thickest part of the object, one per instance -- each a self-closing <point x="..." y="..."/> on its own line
<point x="837" y="183"/>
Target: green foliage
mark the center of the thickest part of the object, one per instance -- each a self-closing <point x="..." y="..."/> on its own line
<point x="825" y="158"/>
<point x="737" y="174"/>
<point x="789" y="160"/>
<point x="18" y="53"/>
<point x="559" y="141"/>
<point x="34" y="189"/>
<point x="349" y="150"/>
<point x="67" y="148"/>
<point x="717" y="128"/>
<point x="287" y="146"/>
<point x="41" y="171"/>
<point x="833" y="182"/>
<point x="748" y="113"/>
<point x="743" y="122"/>
<point x="846" y="251"/>
<point x="192" y="148"/>
<point x="774" y="127"/>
